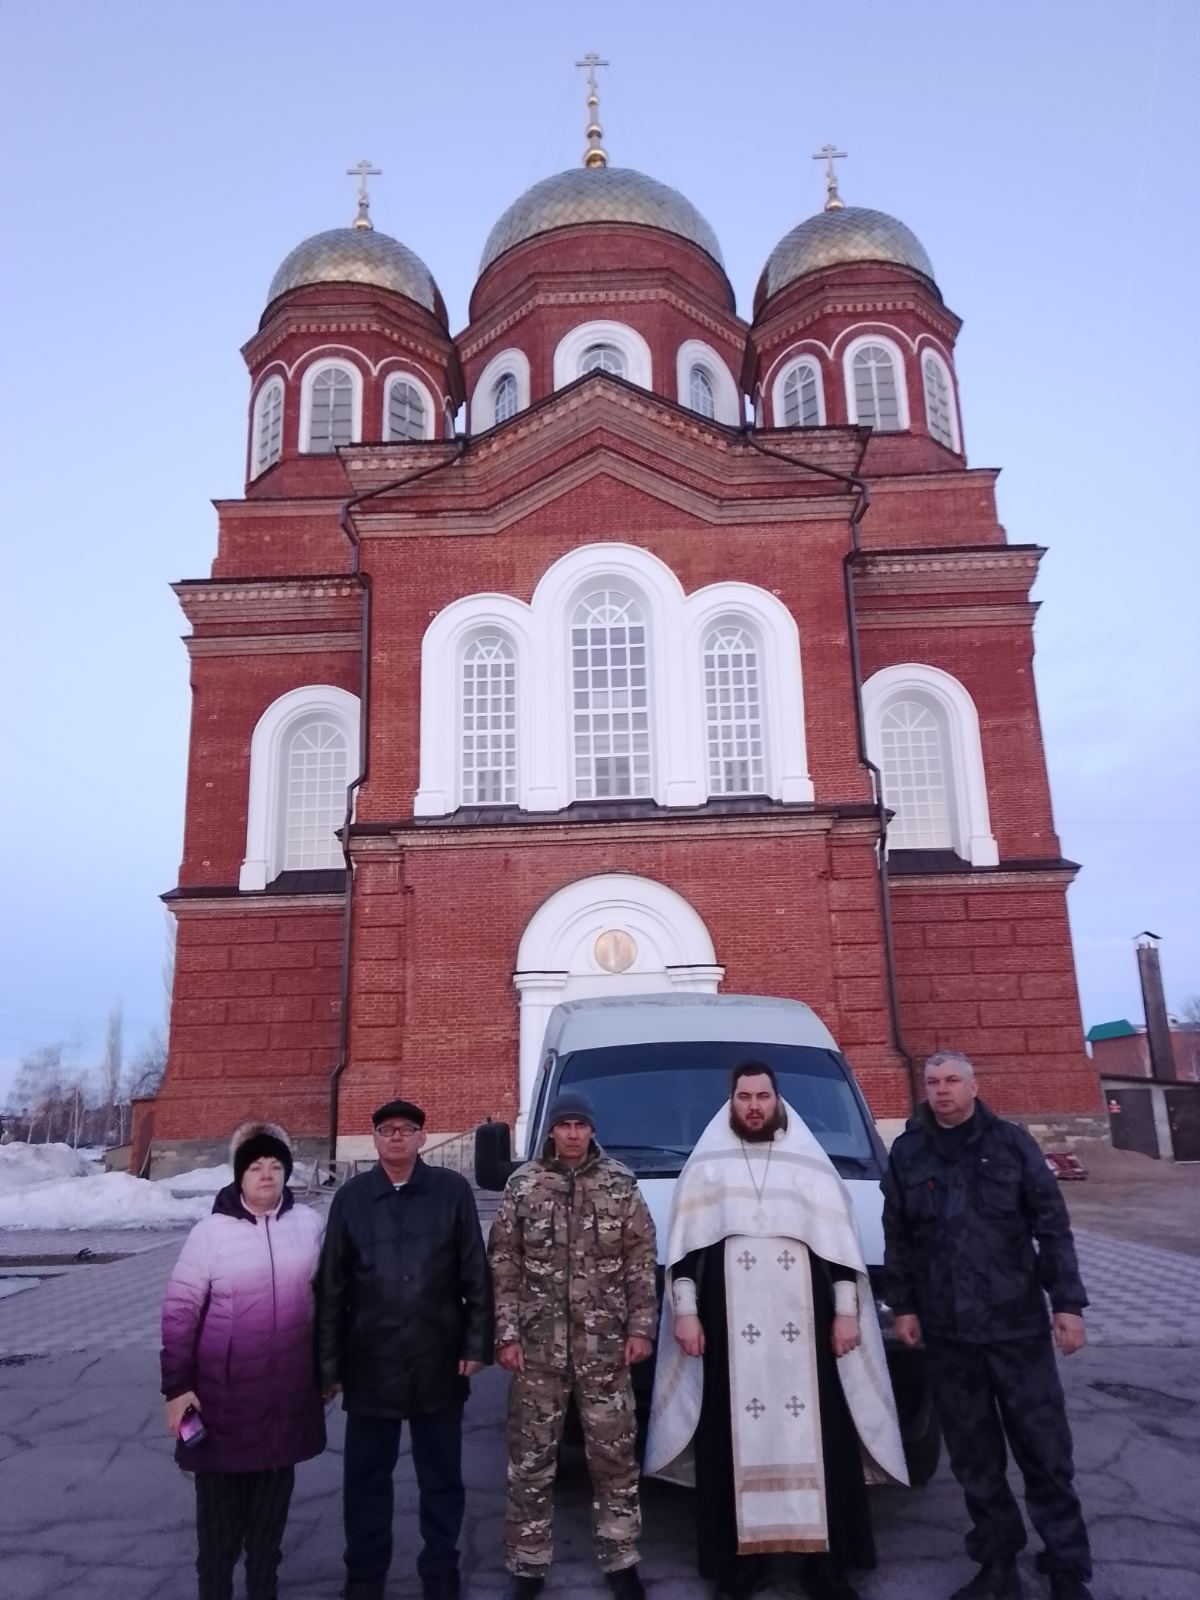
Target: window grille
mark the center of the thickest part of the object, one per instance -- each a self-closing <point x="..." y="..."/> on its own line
<point x="801" y="397"/>
<point x="406" y="411"/>
<point x="937" y="402"/>
<point x="610" y="697"/>
<point x="489" y="723"/>
<point x="603" y="358"/>
<point x="504" y="398"/>
<point x="331" y="416"/>
<point x="269" y="442"/>
<point x="914" y="767"/>
<point x="733" y="712"/>
<point x="876" y="398"/>
<point x="314" y="796"/>
<point x="700" y="393"/>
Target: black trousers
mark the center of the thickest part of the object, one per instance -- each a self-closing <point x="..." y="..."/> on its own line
<point x="238" y="1511"/>
<point x="985" y="1394"/>
<point x="372" y="1449"/>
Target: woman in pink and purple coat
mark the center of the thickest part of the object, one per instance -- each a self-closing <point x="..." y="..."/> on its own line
<point x="238" y="1355"/>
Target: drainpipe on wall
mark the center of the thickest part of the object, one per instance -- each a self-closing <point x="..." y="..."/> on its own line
<point x="363" y="579"/>
<point x="861" y="505"/>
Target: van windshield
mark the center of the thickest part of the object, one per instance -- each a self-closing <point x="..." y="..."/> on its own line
<point x="653" y="1101"/>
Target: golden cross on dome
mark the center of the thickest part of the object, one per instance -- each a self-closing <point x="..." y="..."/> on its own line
<point x="363" y="170"/>
<point x="595" y="155"/>
<point x="829" y="153"/>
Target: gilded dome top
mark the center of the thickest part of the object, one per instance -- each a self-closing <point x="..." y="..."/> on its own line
<point x="599" y="194"/>
<point x="359" y="255"/>
<point x="836" y="238"/>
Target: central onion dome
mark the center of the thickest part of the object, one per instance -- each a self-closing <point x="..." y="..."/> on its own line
<point x="359" y="255"/>
<point x="584" y="195"/>
<point x="840" y="236"/>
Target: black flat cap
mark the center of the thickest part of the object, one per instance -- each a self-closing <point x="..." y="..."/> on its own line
<point x="399" y="1108"/>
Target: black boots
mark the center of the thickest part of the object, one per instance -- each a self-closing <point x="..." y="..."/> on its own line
<point x="743" y="1577"/>
<point x="995" y="1580"/>
<point x="626" y="1584"/>
<point x="519" y="1588"/>
<point x="824" y="1579"/>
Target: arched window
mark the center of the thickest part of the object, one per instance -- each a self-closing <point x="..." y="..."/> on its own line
<point x="505" y="398"/>
<point x="610" y="697"/>
<point x="406" y="413"/>
<point x="876" y="395"/>
<point x="802" y="396"/>
<point x="939" y="404"/>
<point x="331" y="410"/>
<point x="489" y="722"/>
<point x="313" y="795"/>
<point x="268" y="425"/>
<point x="602" y="358"/>
<point x="733" y="712"/>
<point x="700" y="393"/>
<point x="915" y="777"/>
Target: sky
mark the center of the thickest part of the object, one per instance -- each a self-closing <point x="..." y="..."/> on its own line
<point x="159" y="161"/>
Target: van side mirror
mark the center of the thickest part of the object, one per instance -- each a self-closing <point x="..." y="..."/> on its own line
<point x="493" y="1156"/>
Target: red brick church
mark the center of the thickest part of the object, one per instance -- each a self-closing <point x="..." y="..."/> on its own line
<point x="657" y="649"/>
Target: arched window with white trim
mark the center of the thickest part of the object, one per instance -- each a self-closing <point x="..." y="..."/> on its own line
<point x="610" y="696"/>
<point x="700" y="393"/>
<point x="876" y="391"/>
<point x="923" y="734"/>
<point x="267" y="431"/>
<point x="602" y="358"/>
<point x="733" y="711"/>
<point x="939" y="400"/>
<point x="802" y="398"/>
<point x="489" y="721"/>
<point x="406" y="415"/>
<point x="505" y="399"/>
<point x="331" y="406"/>
<point x="313" y="795"/>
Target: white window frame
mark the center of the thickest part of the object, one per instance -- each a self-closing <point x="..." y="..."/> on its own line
<point x="778" y="399"/>
<point x="272" y="385"/>
<point x="318" y="365"/>
<point x="966" y="783"/>
<point x="929" y="354"/>
<point x="727" y="397"/>
<point x="476" y="638"/>
<point x="721" y="726"/>
<point x="889" y="344"/>
<point x="268" y="744"/>
<point x="641" y="783"/>
<point x="402" y="375"/>
<point x="540" y="629"/>
<point x="569" y="352"/>
<point x="514" y="362"/>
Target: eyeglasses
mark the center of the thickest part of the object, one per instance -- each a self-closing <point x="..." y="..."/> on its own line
<point x="396" y="1130"/>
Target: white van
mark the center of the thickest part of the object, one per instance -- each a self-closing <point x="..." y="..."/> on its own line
<point x="656" y="1067"/>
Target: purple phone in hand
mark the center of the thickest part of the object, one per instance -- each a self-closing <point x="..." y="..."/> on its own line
<point x="191" y="1429"/>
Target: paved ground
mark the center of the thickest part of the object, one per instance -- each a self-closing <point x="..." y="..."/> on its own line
<point x="1137" y="1199"/>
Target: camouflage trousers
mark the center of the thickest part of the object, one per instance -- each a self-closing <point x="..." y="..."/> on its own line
<point x="1009" y="1391"/>
<point x="537" y="1405"/>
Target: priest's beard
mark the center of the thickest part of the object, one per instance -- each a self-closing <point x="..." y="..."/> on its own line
<point x="764" y="1133"/>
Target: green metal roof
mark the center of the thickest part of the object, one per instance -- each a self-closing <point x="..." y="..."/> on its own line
<point x="1121" y="1029"/>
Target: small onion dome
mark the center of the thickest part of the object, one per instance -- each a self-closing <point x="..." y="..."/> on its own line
<point x="582" y="195"/>
<point x="839" y="237"/>
<point x="359" y="255"/>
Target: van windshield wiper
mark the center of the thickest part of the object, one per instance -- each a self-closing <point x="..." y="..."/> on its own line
<point x="659" y="1149"/>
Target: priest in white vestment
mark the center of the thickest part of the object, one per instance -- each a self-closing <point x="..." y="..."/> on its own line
<point x="772" y="1391"/>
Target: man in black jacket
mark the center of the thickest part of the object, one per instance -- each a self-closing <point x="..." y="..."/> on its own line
<point x="977" y="1236"/>
<point x="404" y="1319"/>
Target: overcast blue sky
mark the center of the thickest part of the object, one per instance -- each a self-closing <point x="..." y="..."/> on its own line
<point x="159" y="160"/>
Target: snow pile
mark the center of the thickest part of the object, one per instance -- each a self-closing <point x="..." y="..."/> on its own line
<point x="200" y="1180"/>
<point x="22" y="1165"/>
<point x="110" y="1200"/>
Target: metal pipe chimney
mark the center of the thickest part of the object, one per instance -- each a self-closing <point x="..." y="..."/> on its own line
<point x="1158" y="1028"/>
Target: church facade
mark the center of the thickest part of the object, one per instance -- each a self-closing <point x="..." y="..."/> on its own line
<point x="654" y="649"/>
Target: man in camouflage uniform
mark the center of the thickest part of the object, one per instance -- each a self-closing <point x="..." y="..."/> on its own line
<point x="976" y="1238"/>
<point x="572" y="1254"/>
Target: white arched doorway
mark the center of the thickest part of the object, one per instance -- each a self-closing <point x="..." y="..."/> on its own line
<point x="611" y="935"/>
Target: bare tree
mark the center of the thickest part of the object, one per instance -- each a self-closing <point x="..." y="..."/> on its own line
<point x="111" y="1068"/>
<point x="37" y="1092"/>
<point x="1189" y="1013"/>
<point x="147" y="1067"/>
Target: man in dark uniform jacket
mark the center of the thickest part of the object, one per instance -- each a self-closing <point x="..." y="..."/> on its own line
<point x="404" y="1319"/>
<point x="977" y="1236"/>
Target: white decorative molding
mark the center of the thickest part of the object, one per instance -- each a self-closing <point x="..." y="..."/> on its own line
<point x="570" y="350"/>
<point x="958" y="721"/>
<point x="514" y="361"/>
<point x="888" y="343"/>
<point x="267" y="745"/>
<point x="269" y="386"/>
<point x="935" y="358"/>
<point x="727" y="397"/>
<point x="794" y="360"/>
<point x="433" y="408"/>
<point x="311" y="372"/>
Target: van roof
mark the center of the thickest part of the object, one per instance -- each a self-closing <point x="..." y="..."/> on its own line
<point x="663" y="1018"/>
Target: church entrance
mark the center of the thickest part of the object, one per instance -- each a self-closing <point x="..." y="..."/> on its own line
<point x="615" y="934"/>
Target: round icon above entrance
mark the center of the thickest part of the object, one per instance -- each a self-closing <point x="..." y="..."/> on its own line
<point x="615" y="951"/>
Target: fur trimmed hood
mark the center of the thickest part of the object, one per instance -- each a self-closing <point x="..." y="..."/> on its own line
<point x="252" y="1130"/>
